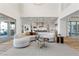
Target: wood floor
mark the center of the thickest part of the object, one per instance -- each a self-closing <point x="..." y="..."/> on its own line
<point x="72" y="42"/>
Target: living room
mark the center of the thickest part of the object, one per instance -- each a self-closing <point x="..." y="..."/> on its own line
<point x="33" y="28"/>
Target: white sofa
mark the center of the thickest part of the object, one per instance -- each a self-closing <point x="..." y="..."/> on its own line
<point x="50" y="35"/>
<point x="22" y="41"/>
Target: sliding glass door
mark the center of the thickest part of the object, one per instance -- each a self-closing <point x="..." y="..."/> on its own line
<point x="77" y="28"/>
<point x="7" y="28"/>
<point x="73" y="28"/>
<point x="4" y="28"/>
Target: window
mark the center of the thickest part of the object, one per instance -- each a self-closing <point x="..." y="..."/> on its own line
<point x="73" y="28"/>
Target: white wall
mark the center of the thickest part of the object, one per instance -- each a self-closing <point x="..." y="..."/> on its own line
<point x="64" y="6"/>
<point x="40" y="10"/>
<point x="62" y="26"/>
<point x="47" y="20"/>
<point x="14" y="10"/>
<point x="72" y="8"/>
<point x="37" y="10"/>
<point x="63" y="22"/>
<point x="11" y="10"/>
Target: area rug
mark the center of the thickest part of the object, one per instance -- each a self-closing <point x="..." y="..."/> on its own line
<point x="5" y="46"/>
<point x="53" y="49"/>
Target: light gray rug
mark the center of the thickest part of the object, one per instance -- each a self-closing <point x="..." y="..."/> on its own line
<point x="53" y="49"/>
<point x="4" y="48"/>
